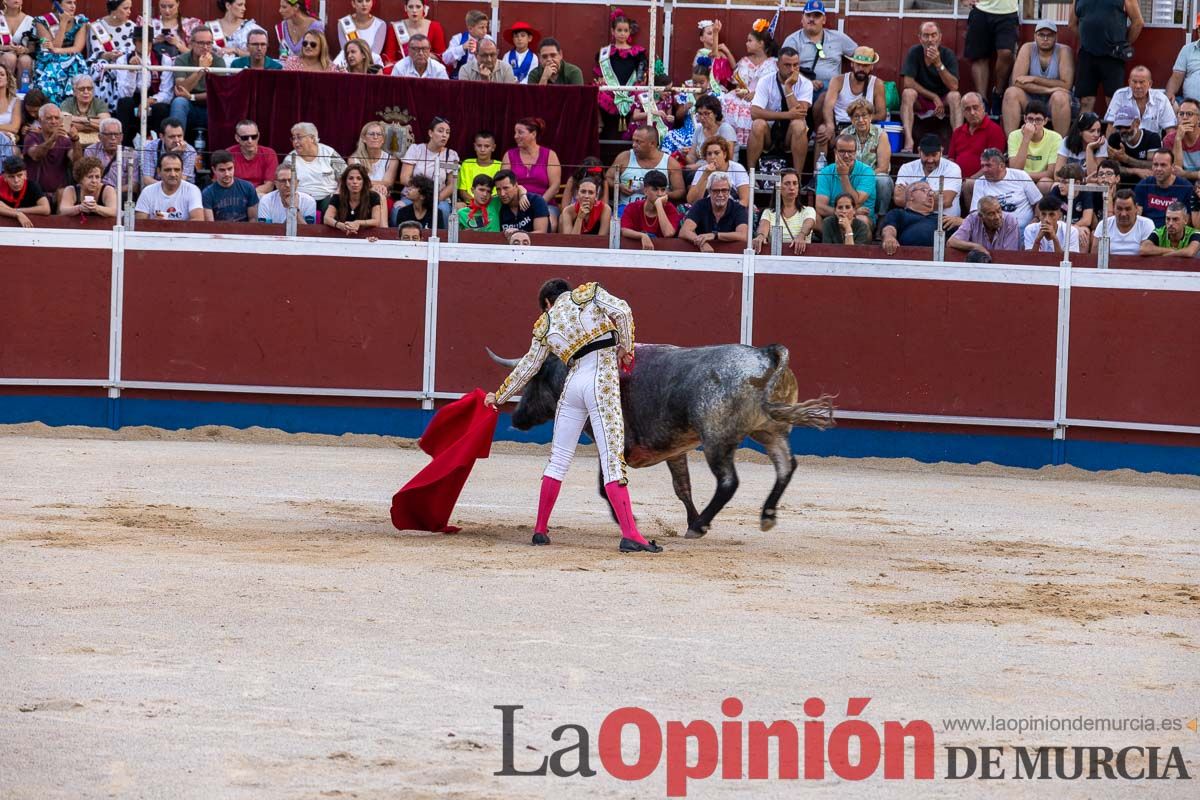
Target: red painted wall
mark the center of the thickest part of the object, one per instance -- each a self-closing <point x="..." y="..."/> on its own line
<point x="920" y="347"/>
<point x="1134" y="355"/>
<point x="54" y="313"/>
<point x="273" y="320"/>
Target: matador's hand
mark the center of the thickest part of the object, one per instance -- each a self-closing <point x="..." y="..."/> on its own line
<point x="490" y="401"/>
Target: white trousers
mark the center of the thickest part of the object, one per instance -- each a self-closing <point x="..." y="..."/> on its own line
<point x="592" y="392"/>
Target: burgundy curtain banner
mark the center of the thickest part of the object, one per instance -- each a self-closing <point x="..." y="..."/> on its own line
<point x="339" y="105"/>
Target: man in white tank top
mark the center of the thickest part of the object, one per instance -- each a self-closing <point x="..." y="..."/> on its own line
<point x="629" y="168"/>
<point x="859" y="82"/>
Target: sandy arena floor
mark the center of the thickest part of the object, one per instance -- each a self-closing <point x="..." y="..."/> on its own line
<point x="230" y="614"/>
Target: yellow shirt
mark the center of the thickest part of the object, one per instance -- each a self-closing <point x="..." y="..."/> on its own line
<point x="1041" y="154"/>
<point x="470" y="168"/>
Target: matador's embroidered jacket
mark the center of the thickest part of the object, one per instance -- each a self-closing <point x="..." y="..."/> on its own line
<point x="576" y="318"/>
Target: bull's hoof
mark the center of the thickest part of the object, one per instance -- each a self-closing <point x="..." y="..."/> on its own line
<point x="632" y="546"/>
<point x="768" y="520"/>
<point x="541" y="538"/>
<point x="696" y="533"/>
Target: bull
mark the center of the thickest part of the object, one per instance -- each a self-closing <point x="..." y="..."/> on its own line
<point x="677" y="398"/>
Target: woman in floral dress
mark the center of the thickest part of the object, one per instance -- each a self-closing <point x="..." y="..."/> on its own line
<point x="60" y="57"/>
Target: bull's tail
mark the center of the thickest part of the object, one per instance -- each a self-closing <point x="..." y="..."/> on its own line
<point x="781" y="396"/>
<point x="816" y="413"/>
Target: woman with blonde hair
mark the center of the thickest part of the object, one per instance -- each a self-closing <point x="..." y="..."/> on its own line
<point x="10" y="112"/>
<point x="381" y="165"/>
<point x="356" y="58"/>
<point x="874" y="150"/>
<point x="314" y="54"/>
<point x="16" y="51"/>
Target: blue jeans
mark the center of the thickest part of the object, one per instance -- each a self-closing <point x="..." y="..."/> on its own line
<point x="192" y="115"/>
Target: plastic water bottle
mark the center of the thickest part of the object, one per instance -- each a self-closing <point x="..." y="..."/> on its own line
<point x="822" y="162"/>
<point x="25" y="79"/>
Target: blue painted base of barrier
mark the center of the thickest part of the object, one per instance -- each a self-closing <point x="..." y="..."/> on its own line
<point x="1014" y="451"/>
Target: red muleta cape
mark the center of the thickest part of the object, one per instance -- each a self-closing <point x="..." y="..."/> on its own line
<point x="458" y="434"/>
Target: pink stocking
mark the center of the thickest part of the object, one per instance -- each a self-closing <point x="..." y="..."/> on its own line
<point x="546" y="501"/>
<point x="618" y="495"/>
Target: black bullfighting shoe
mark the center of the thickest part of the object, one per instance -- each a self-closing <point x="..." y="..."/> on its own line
<point x="630" y="546"/>
<point x="541" y="538"/>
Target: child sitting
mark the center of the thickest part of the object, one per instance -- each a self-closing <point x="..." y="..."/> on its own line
<point x="482" y="164"/>
<point x="463" y="45"/>
<point x="524" y="38"/>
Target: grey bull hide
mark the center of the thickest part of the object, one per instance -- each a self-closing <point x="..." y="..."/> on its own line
<point x="678" y="398"/>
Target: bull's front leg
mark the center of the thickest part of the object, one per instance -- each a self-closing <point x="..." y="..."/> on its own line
<point x="720" y="461"/>
<point x="682" y="481"/>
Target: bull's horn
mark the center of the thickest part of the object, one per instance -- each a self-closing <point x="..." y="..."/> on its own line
<point x="504" y="362"/>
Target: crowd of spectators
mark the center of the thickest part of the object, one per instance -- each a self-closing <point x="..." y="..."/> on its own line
<point x="993" y="168"/>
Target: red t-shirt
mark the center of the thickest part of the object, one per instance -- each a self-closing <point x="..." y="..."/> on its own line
<point x="258" y="171"/>
<point x="634" y="218"/>
<point x="966" y="148"/>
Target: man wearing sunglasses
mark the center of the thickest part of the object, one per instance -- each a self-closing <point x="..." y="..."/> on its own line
<point x="821" y="51"/>
<point x="1130" y="145"/>
<point x="253" y="161"/>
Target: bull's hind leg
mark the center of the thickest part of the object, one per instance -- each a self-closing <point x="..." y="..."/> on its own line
<point x="779" y="450"/>
<point x="682" y="481"/>
<point x="720" y="461"/>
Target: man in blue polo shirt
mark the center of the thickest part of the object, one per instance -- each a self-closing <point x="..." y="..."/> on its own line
<point x="1156" y="193"/>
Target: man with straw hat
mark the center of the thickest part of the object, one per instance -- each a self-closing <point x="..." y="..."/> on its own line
<point x="858" y="84"/>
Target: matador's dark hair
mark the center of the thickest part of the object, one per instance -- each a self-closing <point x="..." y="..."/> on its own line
<point x="550" y="291"/>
